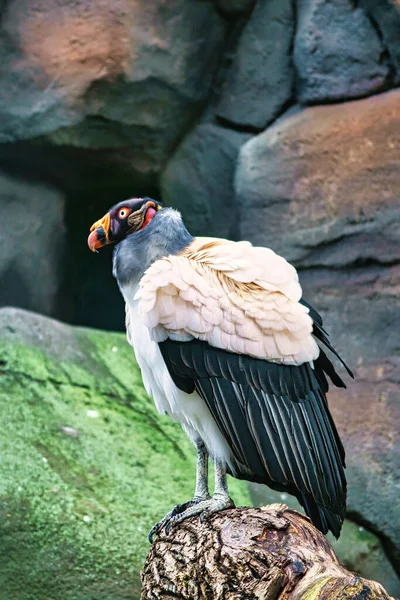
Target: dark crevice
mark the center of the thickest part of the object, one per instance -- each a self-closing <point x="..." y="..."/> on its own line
<point x="91" y="181"/>
<point x="373" y="22"/>
<point x="360" y="263"/>
<point x="296" y="78"/>
<point x="252" y="129"/>
<point x="349" y="235"/>
<point x="234" y="32"/>
<point x="12" y="286"/>
<point x="293" y="98"/>
<point x="386" y="87"/>
<point x="3" y="8"/>
<point x="289" y="104"/>
<point x="70" y="169"/>
<point x="385" y="57"/>
<point x="354" y="4"/>
<point x="89" y="294"/>
<point x="291" y="101"/>
<point x="227" y="124"/>
<point x="232" y="17"/>
<point x="6" y="35"/>
<point x="391" y="552"/>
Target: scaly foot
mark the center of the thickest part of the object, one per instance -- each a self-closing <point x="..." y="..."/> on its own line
<point x="203" y="507"/>
<point x="176" y="511"/>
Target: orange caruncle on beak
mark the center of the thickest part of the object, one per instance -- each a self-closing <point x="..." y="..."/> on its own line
<point x="99" y="233"/>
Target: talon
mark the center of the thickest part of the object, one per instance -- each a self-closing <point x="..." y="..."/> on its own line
<point x="153" y="531"/>
<point x="180" y="508"/>
<point x="203" y="516"/>
<point x="176" y="511"/>
<point x="168" y="526"/>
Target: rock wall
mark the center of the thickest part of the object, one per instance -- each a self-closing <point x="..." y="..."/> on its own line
<point x="277" y="121"/>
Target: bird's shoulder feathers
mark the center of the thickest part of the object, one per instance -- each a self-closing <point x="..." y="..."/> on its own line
<point x="234" y="296"/>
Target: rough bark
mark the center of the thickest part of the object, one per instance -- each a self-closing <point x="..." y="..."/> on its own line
<point x="269" y="553"/>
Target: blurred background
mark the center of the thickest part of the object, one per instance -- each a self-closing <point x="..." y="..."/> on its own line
<point x="276" y="121"/>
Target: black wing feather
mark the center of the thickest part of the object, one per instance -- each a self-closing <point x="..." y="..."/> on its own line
<point x="275" y="419"/>
<point x="323" y="336"/>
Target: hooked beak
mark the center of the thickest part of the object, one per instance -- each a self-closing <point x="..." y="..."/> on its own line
<point x="99" y="233"/>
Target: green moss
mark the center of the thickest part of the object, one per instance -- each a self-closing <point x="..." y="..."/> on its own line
<point x="76" y="504"/>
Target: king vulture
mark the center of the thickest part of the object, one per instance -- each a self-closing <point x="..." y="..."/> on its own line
<point x="229" y="349"/>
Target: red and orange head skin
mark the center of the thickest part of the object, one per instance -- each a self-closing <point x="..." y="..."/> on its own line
<point x="122" y="219"/>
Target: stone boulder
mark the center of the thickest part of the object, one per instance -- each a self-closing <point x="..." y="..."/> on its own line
<point x="338" y="54"/>
<point x="33" y="244"/>
<point x="322" y="185"/>
<point x="87" y="465"/>
<point x="260" y="80"/>
<point x="322" y="188"/>
<point x="198" y="180"/>
<point x="107" y="74"/>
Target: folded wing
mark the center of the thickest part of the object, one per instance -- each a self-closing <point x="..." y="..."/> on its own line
<point x="276" y="421"/>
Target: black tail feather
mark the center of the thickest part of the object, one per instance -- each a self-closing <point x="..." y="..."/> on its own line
<point x="322" y="517"/>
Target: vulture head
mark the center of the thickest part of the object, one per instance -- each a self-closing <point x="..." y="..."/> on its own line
<point x="142" y="233"/>
<point x="121" y="220"/>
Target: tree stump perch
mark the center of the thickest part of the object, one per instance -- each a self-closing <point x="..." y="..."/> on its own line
<point x="268" y="553"/>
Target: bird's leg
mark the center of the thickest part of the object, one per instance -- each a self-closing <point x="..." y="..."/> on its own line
<point x="219" y="501"/>
<point x="200" y="493"/>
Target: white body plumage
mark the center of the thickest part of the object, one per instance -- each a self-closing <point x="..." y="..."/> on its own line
<point x="189" y="410"/>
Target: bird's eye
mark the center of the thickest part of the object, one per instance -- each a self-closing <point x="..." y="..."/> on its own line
<point x="123" y="213"/>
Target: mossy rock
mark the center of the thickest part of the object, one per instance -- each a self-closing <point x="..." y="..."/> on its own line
<point x="87" y="464"/>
